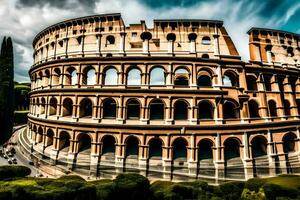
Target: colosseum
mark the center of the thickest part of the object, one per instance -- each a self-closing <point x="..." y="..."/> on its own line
<point x="174" y="101"/>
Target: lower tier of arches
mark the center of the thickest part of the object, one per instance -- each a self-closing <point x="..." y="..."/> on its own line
<point x="216" y="156"/>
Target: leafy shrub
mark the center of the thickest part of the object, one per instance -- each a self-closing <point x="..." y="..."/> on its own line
<point x="231" y="190"/>
<point x="252" y="195"/>
<point x="104" y="189"/>
<point x="131" y="186"/>
<point x="7" y="172"/>
<point x="255" y="184"/>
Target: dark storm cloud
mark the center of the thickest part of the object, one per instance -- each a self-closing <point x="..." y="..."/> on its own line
<point x="56" y="3"/>
<point x="170" y="3"/>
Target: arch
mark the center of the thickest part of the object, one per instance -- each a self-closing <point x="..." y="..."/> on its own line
<point x="181" y="110"/>
<point x="53" y="106"/>
<point x="133" y="109"/>
<point x="205" y="110"/>
<point x="155" y="148"/>
<point x="43" y="105"/>
<point x="206" y="40"/>
<point x="181" y="77"/>
<point x="56" y="76"/>
<point x="204" y="78"/>
<point x="251" y="82"/>
<point x="84" y="142"/>
<point x="49" y="138"/>
<point x="86" y="108"/>
<point x="146" y="36"/>
<point x="180" y="149"/>
<point x="298" y="106"/>
<point x="67" y="107"/>
<point x="267" y="81"/>
<point x="109" y="145"/>
<point x="132" y="147"/>
<point x="171" y="37"/>
<point x="287" y="107"/>
<point x="110" y="76"/>
<point x="89" y="76"/>
<point x="134" y="77"/>
<point x="109" y="108"/>
<point x="64" y="140"/>
<point x="205" y="56"/>
<point x="110" y="39"/>
<point x="230" y="79"/>
<point x="232" y="148"/>
<point x="72" y="78"/>
<point x="157" y="76"/>
<point x="272" y="108"/>
<point x="192" y="36"/>
<point x="259" y="146"/>
<point x="47" y="77"/>
<point x="289" y="142"/>
<point x="230" y="110"/>
<point x="253" y="109"/>
<point x="205" y="149"/>
<point x="157" y="110"/>
<point x="39" y="137"/>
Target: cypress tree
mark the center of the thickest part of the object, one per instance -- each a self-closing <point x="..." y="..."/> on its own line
<point x="6" y="89"/>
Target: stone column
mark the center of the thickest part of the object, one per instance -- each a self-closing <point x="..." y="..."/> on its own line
<point x="167" y="160"/>
<point x="219" y="160"/>
<point x="192" y="160"/>
<point x="271" y="154"/>
<point x="122" y="42"/>
<point x="248" y="165"/>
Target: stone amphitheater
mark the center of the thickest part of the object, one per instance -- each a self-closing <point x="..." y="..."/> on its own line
<point x="174" y="101"/>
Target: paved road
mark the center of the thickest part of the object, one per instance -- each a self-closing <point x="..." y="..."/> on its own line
<point x="21" y="159"/>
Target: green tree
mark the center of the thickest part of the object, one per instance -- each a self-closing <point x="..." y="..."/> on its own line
<point x="6" y="89"/>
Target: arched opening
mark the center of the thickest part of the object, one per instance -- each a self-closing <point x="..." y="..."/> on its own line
<point x="111" y="76"/>
<point x="56" y="77"/>
<point x="230" y="79"/>
<point x="71" y="76"/>
<point x="230" y="110"/>
<point x="205" y="150"/>
<point x="272" y="108"/>
<point x="267" y="80"/>
<point x="46" y="78"/>
<point x="181" y="77"/>
<point x="133" y="109"/>
<point x="251" y="83"/>
<point x="298" y="105"/>
<point x="232" y="149"/>
<point x="157" y="76"/>
<point x="287" y="108"/>
<point x="205" y="56"/>
<point x="43" y="104"/>
<point x="67" y="107"/>
<point x="204" y="81"/>
<point x="109" y="109"/>
<point x="180" y="110"/>
<point x="259" y="156"/>
<point x="205" y="158"/>
<point x="155" y="149"/>
<point x="134" y="77"/>
<point x="89" y="76"/>
<point x="49" y="138"/>
<point x="258" y="146"/>
<point x="206" y="40"/>
<point x="180" y="150"/>
<point x="109" y="146"/>
<point x="289" y="141"/>
<point x="110" y="40"/>
<point x="253" y="109"/>
<point x="64" y="141"/>
<point x="86" y="108"/>
<point x="84" y="143"/>
<point x="132" y="147"/>
<point x="205" y="110"/>
<point x="39" y="137"/>
<point x="157" y="110"/>
<point x="53" y="106"/>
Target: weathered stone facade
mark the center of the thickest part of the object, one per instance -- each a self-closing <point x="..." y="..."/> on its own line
<point x="172" y="101"/>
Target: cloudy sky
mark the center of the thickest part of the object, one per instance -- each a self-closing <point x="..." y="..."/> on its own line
<point x="23" y="19"/>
